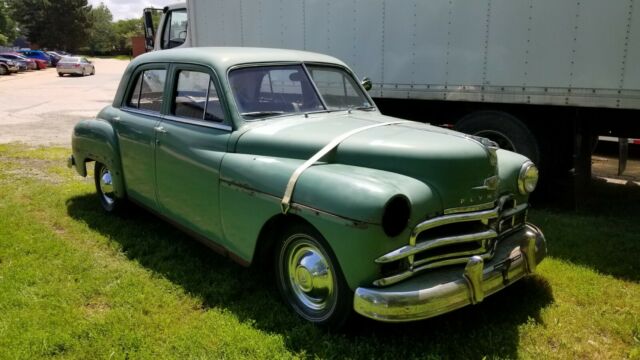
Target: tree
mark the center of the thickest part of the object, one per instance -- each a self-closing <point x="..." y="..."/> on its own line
<point x="101" y="35"/>
<point x="8" y="31"/>
<point x="57" y="24"/>
<point x="124" y="31"/>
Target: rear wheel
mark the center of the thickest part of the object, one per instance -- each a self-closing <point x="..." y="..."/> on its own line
<point x="309" y="278"/>
<point x="506" y="130"/>
<point x="105" y="188"/>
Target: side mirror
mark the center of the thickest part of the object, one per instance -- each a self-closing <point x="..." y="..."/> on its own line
<point x="149" y="33"/>
<point x="366" y="84"/>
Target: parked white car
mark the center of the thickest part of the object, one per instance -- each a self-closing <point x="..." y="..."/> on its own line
<point x="75" y="65"/>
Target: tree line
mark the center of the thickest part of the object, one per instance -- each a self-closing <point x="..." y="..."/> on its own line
<point x="70" y="25"/>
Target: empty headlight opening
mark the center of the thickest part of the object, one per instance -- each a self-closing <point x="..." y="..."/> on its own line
<point x="396" y="215"/>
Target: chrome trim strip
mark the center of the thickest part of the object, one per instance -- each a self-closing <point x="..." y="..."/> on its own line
<point x="288" y="193"/>
<point x="203" y="123"/>
<point x="155" y="114"/>
<point x="411" y="272"/>
<point x="450" y="219"/>
<point x="452" y="288"/>
<point x="412" y="250"/>
<point x="514" y="211"/>
<point x="478" y="207"/>
<point x="483" y="250"/>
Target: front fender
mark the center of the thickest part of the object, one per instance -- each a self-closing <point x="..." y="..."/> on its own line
<point x="344" y="203"/>
<point x="96" y="140"/>
<point x="351" y="192"/>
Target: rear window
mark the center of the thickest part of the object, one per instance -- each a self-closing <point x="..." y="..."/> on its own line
<point x="69" y="60"/>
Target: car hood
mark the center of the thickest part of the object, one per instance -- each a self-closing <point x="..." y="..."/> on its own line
<point x="454" y="165"/>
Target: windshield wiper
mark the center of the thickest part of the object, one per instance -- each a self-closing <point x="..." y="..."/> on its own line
<point x="365" y="108"/>
<point x="261" y="113"/>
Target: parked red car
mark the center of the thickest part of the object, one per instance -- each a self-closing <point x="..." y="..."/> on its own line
<point x="33" y="64"/>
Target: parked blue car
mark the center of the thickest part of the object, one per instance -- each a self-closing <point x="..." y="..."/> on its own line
<point x="36" y="54"/>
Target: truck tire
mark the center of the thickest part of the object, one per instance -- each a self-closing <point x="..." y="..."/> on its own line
<point x="505" y="129"/>
<point x="4" y="70"/>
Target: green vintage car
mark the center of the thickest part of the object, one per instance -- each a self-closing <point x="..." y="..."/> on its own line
<point x="280" y="157"/>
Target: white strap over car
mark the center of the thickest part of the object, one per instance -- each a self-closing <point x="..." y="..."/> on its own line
<point x="288" y="193"/>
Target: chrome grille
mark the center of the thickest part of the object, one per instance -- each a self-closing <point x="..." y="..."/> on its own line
<point x="452" y="239"/>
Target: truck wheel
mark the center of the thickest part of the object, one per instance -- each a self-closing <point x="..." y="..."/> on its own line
<point x="104" y="187"/>
<point x="309" y="278"/>
<point x="506" y="130"/>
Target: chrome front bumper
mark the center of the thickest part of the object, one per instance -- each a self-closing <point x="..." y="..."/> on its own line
<point x="443" y="290"/>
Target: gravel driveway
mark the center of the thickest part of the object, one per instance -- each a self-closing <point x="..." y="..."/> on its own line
<point x="40" y="108"/>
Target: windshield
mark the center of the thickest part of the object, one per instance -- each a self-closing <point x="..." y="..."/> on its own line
<point x="263" y="91"/>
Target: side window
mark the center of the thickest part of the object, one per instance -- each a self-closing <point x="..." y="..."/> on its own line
<point x="196" y="97"/>
<point x="337" y="88"/>
<point x="175" y="29"/>
<point x="149" y="90"/>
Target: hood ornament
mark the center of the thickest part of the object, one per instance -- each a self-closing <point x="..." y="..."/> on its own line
<point x="490" y="183"/>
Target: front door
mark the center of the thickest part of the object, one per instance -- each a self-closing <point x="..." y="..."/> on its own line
<point x="191" y="142"/>
<point x="136" y="125"/>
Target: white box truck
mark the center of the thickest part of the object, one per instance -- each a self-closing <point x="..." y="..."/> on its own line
<point x="541" y="77"/>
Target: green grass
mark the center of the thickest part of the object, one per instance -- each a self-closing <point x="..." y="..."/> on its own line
<point x="76" y="283"/>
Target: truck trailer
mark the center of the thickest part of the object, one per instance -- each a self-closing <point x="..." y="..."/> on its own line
<point x="539" y="77"/>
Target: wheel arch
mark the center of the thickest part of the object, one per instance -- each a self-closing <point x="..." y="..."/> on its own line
<point x="96" y="140"/>
<point x="269" y="235"/>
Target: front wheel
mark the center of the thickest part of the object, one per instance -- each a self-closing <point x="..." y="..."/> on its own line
<point x="105" y="189"/>
<point x="309" y="278"/>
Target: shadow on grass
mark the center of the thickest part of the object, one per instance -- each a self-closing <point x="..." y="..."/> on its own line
<point x="488" y="329"/>
<point x="601" y="234"/>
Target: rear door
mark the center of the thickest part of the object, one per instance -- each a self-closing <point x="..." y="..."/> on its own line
<point x="136" y="125"/>
<point x="192" y="140"/>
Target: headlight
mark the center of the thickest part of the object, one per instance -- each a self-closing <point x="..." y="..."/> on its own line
<point x="396" y="215"/>
<point x="528" y="178"/>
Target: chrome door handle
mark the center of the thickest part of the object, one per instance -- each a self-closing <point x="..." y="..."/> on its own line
<point x="160" y="129"/>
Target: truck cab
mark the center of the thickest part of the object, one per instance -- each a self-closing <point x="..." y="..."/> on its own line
<point x="172" y="30"/>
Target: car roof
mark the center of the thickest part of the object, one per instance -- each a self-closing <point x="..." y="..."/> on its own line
<point x="222" y="58"/>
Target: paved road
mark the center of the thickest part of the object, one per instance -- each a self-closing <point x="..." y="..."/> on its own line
<point x="40" y="108"/>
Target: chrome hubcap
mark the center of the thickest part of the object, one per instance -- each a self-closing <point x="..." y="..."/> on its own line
<point x="310" y="276"/>
<point x="106" y="186"/>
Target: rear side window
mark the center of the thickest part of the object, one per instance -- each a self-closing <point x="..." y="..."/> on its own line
<point x="148" y="91"/>
<point x="196" y="97"/>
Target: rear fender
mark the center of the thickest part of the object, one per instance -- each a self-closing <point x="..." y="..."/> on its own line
<point x="96" y="140"/>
